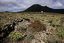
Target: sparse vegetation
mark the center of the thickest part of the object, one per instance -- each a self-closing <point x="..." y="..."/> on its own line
<point x="40" y="23"/>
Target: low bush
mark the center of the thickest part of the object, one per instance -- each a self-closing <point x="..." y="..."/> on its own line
<point x="15" y="36"/>
<point x="60" y="32"/>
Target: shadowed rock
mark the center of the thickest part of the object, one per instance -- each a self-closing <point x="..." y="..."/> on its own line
<point x="7" y="29"/>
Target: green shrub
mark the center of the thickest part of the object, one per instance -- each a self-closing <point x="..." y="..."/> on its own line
<point x="60" y="32"/>
<point x="15" y="36"/>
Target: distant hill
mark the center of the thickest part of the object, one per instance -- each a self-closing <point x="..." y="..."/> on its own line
<point x="34" y="8"/>
<point x="38" y="8"/>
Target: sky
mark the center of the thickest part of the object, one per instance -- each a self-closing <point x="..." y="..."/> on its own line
<point x="21" y="5"/>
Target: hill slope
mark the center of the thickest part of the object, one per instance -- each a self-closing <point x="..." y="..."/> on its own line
<point x="38" y="8"/>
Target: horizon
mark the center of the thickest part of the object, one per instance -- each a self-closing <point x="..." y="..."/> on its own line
<point x="21" y="5"/>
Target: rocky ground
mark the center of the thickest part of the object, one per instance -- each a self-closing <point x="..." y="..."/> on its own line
<point x="31" y="28"/>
